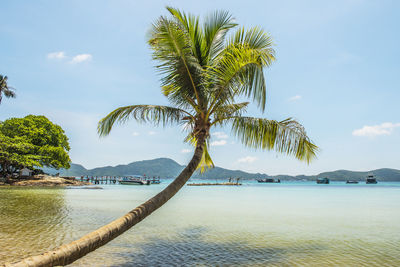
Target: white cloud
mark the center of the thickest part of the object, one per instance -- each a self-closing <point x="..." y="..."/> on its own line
<point x="385" y="128"/>
<point x="152" y="133"/>
<point x="220" y="135"/>
<point x="135" y="133"/>
<point x="56" y="55"/>
<point x="186" y="151"/>
<point x="247" y="159"/>
<point x="81" y="58"/>
<point x="296" y="97"/>
<point x="218" y="143"/>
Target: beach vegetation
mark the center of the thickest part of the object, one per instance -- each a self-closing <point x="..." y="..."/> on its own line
<point x="31" y="142"/>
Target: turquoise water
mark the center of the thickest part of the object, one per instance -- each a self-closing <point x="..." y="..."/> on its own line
<point x="288" y="224"/>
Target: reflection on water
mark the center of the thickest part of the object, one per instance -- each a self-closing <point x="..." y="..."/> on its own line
<point x="31" y="220"/>
<point x="191" y="249"/>
<point x="251" y="225"/>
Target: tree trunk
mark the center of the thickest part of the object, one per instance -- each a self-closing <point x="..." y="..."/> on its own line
<point x="69" y="253"/>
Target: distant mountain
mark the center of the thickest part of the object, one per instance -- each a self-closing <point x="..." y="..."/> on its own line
<point x="381" y="174"/>
<point x="168" y="168"/>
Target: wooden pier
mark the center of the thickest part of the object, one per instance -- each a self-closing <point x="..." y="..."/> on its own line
<point x="205" y="184"/>
<point x="231" y="181"/>
<point x="100" y="179"/>
<point x="113" y="179"/>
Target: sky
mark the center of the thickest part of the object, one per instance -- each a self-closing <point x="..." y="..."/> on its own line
<point x="337" y="73"/>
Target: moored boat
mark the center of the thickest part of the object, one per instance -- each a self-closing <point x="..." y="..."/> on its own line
<point x="351" y="182"/>
<point x="322" y="181"/>
<point x="154" y="180"/>
<point x="268" y="180"/>
<point x="371" y="179"/>
<point x="134" y="180"/>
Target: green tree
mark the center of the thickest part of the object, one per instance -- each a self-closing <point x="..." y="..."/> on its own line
<point x="204" y="72"/>
<point x="32" y="141"/>
<point x="15" y="153"/>
<point x="5" y="90"/>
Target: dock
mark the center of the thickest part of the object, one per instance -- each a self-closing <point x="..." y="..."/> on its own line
<point x="206" y="184"/>
<point x="113" y="179"/>
<point x="100" y="179"/>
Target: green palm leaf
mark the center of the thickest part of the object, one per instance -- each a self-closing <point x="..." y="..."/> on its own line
<point x="143" y="113"/>
<point x="286" y="136"/>
<point x="216" y="26"/>
<point x="206" y="162"/>
<point x="179" y="67"/>
<point x="239" y="70"/>
<point x="5" y="89"/>
<point x="227" y="111"/>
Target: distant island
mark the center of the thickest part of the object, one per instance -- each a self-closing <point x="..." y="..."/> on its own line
<point x="168" y="168"/>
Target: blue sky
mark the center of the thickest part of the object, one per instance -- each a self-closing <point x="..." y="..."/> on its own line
<point x="337" y="72"/>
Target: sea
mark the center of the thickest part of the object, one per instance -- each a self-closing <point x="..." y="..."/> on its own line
<point x="286" y="224"/>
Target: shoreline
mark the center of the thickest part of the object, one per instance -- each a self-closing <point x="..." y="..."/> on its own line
<point x="44" y="181"/>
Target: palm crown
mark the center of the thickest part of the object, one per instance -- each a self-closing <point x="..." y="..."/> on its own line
<point x="5" y="90"/>
<point x="204" y="72"/>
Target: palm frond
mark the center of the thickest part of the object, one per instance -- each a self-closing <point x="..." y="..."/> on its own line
<point x="255" y="38"/>
<point x="9" y="93"/>
<point x="239" y="70"/>
<point x="156" y="115"/>
<point x="5" y="89"/>
<point x="206" y="162"/>
<point x="191" y="26"/>
<point x="286" y="136"/>
<point x="180" y="69"/>
<point x="216" y="27"/>
<point x="228" y="111"/>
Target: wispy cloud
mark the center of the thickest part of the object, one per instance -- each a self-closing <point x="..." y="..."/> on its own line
<point x="152" y="133"/>
<point x="295" y="98"/>
<point x="385" y="128"/>
<point x="218" y="143"/>
<point x="247" y="159"/>
<point x="81" y="58"/>
<point x="76" y="59"/>
<point x="135" y="134"/>
<point x="220" y="135"/>
<point x="186" y="151"/>
<point x="56" y="55"/>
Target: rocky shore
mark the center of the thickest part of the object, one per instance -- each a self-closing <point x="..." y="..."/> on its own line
<point x="46" y="180"/>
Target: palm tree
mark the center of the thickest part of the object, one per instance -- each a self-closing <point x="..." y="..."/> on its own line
<point x="203" y="74"/>
<point x="5" y="90"/>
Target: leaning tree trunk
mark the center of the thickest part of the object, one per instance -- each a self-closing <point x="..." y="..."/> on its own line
<point x="69" y="253"/>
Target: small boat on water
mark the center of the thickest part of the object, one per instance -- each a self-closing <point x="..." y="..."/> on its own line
<point x="268" y="180"/>
<point x="154" y="180"/>
<point x="322" y="181"/>
<point x="351" y="182"/>
<point x="371" y="179"/>
<point x="134" y="180"/>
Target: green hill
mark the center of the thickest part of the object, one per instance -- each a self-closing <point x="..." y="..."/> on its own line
<point x="168" y="168"/>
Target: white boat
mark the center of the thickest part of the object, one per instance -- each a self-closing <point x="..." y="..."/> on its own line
<point x="134" y="180"/>
<point x="371" y="179"/>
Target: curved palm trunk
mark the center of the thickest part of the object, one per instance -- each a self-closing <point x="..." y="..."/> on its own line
<point x="69" y="253"/>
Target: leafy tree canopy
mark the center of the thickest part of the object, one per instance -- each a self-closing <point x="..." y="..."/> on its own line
<point x="32" y="141"/>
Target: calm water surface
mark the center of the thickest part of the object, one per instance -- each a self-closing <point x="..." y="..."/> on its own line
<point x="288" y="224"/>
